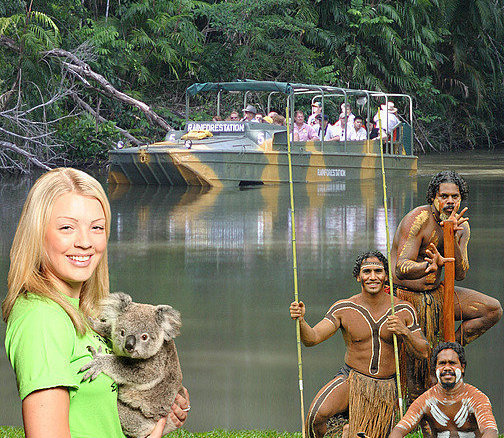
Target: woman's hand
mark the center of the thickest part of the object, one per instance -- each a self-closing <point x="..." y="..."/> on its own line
<point x="178" y="415"/>
<point x="180" y="409"/>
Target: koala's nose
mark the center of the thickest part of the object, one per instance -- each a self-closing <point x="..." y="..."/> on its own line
<point x="130" y="343"/>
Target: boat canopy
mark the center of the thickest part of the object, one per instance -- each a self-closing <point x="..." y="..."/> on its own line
<point x="267" y="86"/>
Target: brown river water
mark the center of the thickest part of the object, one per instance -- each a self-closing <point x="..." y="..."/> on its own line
<point x="223" y="259"/>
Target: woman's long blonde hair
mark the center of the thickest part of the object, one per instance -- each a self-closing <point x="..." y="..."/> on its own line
<point x="26" y="273"/>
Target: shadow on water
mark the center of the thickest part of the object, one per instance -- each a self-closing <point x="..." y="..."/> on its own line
<point x="223" y="258"/>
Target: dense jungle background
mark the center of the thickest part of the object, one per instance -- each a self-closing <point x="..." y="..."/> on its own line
<point x="76" y="76"/>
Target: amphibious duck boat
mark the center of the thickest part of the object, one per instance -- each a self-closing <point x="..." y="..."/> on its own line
<point x="232" y="153"/>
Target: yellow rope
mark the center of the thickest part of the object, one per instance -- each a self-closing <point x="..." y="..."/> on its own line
<point x="396" y="350"/>
<point x="294" y="268"/>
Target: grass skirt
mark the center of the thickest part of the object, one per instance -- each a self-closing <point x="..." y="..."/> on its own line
<point x="372" y="405"/>
<point x="429" y="307"/>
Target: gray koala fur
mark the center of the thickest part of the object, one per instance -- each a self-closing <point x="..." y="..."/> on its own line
<point x="145" y="363"/>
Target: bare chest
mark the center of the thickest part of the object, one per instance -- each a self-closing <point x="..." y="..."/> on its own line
<point x="452" y="415"/>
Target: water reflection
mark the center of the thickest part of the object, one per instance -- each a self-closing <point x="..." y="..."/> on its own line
<point x="223" y="258"/>
<point x="338" y="214"/>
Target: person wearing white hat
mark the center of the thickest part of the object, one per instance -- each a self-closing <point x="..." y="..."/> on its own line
<point x="389" y="120"/>
<point x="249" y="113"/>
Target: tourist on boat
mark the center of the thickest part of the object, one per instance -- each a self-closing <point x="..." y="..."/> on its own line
<point x="340" y="127"/>
<point x="278" y="119"/>
<point x="389" y="120"/>
<point x="374" y="131"/>
<point x="365" y="386"/>
<point x="316" y="110"/>
<point x="233" y="116"/>
<point x="347" y="110"/>
<point x="329" y="132"/>
<point x="451" y="407"/>
<point x="259" y="117"/>
<point x="357" y="131"/>
<point x="303" y="131"/>
<point x="58" y="274"/>
<point x="417" y="262"/>
<point x="249" y="113"/>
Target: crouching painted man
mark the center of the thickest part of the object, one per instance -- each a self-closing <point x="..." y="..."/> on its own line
<point x="364" y="389"/>
<point x="452" y="407"/>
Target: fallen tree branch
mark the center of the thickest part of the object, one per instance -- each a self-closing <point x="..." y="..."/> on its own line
<point x="82" y="70"/>
<point x="12" y="147"/>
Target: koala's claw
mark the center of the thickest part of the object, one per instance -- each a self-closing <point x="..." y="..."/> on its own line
<point x="93" y="351"/>
<point x="93" y="368"/>
<point x="93" y="373"/>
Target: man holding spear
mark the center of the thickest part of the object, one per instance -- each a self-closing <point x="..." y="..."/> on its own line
<point x="417" y="257"/>
<point x="365" y="387"/>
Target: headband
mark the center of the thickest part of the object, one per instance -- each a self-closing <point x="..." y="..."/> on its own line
<point x="372" y="264"/>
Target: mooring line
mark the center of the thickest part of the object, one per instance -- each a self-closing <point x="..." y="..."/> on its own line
<point x="294" y="268"/>
<point x="391" y="283"/>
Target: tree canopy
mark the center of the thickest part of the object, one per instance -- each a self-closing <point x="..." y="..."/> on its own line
<point x="77" y="75"/>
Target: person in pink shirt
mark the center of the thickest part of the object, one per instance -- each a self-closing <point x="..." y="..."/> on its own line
<point x="303" y="131"/>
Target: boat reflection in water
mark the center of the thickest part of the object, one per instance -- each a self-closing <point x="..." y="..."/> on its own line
<point x="225" y="221"/>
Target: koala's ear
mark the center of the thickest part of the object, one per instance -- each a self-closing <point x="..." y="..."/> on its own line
<point x="115" y="304"/>
<point x="169" y="320"/>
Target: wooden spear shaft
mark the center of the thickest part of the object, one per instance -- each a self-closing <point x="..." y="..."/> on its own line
<point x="449" y="283"/>
<point x="294" y="269"/>
<point x="391" y="283"/>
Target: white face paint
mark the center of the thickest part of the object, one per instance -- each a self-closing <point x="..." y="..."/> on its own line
<point x="458" y="375"/>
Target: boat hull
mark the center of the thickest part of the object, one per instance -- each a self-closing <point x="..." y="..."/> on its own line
<point x="206" y="167"/>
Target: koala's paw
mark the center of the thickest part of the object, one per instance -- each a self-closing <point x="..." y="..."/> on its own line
<point x="95" y="367"/>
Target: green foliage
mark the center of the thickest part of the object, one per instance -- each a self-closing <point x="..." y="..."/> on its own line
<point x="86" y="141"/>
<point x="145" y="41"/>
<point x="256" y="39"/>
<point x="448" y="54"/>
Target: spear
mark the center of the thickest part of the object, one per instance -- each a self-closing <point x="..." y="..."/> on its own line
<point x="394" y="337"/>
<point x="294" y="269"/>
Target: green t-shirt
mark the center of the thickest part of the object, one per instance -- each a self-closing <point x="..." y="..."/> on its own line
<point x="45" y="351"/>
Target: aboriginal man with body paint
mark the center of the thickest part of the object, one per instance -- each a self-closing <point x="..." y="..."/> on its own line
<point x="452" y="407"/>
<point x="417" y="261"/>
<point x="364" y="390"/>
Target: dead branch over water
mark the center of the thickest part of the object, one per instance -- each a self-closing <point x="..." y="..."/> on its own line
<point x="28" y="135"/>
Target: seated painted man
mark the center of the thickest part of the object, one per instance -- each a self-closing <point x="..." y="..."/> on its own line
<point x="417" y="263"/>
<point x="452" y="407"/>
<point x="365" y="388"/>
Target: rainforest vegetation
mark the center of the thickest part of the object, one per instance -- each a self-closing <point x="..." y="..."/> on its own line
<point x="76" y="76"/>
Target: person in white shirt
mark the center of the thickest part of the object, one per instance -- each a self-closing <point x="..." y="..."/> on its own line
<point x="389" y="120"/>
<point x="346" y="109"/>
<point x="357" y="132"/>
<point x="329" y="132"/>
<point x="340" y="128"/>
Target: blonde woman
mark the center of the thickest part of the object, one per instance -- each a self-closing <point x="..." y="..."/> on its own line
<point x="58" y="274"/>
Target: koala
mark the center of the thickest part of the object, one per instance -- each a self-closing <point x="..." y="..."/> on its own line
<point x="145" y="363"/>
